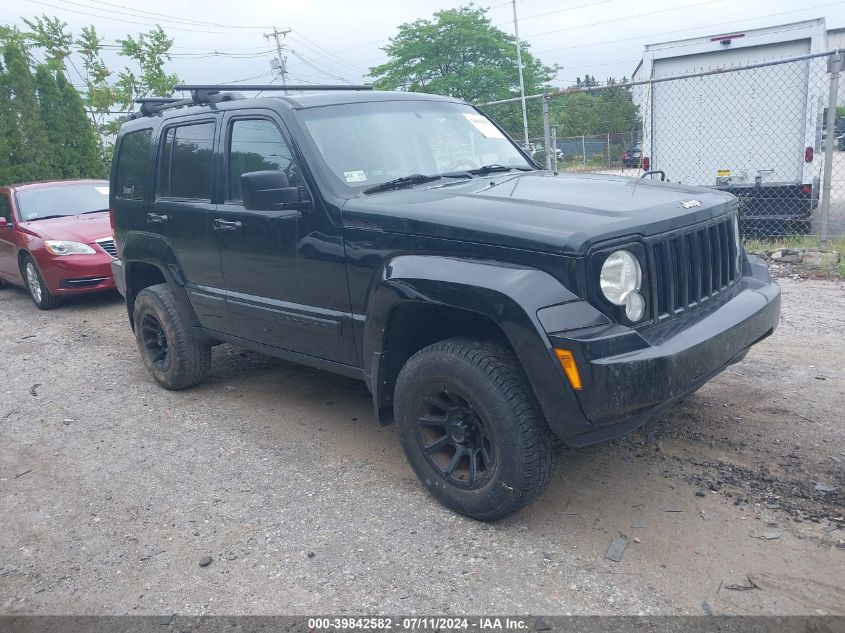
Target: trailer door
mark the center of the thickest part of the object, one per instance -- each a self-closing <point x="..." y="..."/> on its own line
<point x="730" y="128"/>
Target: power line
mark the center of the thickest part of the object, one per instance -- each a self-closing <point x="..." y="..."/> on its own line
<point x="382" y="40"/>
<point x="238" y="81"/>
<point x="623" y="18"/>
<point x="308" y="62"/>
<point x="326" y="54"/>
<point x="542" y="15"/>
<point x="694" y="28"/>
<point x="147" y="24"/>
<point x="161" y="15"/>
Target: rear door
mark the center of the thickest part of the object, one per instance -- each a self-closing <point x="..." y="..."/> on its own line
<point x="181" y="213"/>
<point x="285" y="270"/>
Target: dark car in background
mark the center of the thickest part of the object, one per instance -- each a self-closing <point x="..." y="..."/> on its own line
<point x="633" y="156"/>
<point x="56" y="239"/>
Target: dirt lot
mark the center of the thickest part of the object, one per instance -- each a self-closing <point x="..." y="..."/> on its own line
<point x="112" y="490"/>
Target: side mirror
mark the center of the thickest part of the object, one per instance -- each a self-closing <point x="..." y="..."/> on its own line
<point x="4" y="223"/>
<point x="269" y="191"/>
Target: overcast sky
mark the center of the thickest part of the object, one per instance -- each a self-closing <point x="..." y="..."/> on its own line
<point x="338" y="40"/>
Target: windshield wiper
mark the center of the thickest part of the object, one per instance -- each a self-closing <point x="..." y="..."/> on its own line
<point x="94" y="211"/>
<point x="489" y="169"/>
<point x="404" y="181"/>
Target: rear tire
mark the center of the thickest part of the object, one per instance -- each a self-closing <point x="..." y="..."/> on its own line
<point x="36" y="287"/>
<point x="471" y="428"/>
<point x="170" y="352"/>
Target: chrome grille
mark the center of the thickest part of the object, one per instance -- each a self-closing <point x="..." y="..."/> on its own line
<point x="693" y="265"/>
<point x="107" y="244"/>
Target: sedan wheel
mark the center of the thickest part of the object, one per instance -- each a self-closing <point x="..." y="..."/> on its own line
<point x="33" y="283"/>
<point x="38" y="290"/>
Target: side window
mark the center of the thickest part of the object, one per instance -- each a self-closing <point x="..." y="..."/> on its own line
<point x="257" y="145"/>
<point x="132" y="174"/>
<point x="5" y="208"/>
<point x="187" y="162"/>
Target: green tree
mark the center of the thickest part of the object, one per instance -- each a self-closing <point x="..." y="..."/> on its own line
<point x="54" y="121"/>
<point x="100" y="95"/>
<point x="26" y="139"/>
<point x="106" y="91"/>
<point x="50" y="35"/>
<point x="600" y="112"/>
<point x="82" y="146"/>
<point x="7" y="129"/>
<point x="458" y="53"/>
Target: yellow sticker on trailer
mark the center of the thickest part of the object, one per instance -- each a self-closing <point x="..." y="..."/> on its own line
<point x="723" y="173"/>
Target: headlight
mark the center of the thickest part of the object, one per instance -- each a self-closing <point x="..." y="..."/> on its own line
<point x="621" y="281"/>
<point x="59" y="247"/>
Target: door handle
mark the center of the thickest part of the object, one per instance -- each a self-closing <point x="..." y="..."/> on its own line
<point x="225" y="225"/>
<point x="155" y="218"/>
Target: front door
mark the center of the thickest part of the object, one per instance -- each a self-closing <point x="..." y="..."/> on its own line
<point x="8" y="261"/>
<point x="284" y="270"/>
<point x="181" y="214"/>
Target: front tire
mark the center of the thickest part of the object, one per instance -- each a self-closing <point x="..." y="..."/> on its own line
<point x="170" y="352"/>
<point x="36" y="287"/>
<point x="471" y="428"/>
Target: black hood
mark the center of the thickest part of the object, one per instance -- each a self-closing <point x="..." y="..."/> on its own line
<point x="542" y="211"/>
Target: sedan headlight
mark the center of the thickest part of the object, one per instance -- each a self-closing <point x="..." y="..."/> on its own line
<point x="60" y="247"/>
<point x="621" y="280"/>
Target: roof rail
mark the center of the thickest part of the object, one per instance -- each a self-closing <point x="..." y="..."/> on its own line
<point x="273" y="87"/>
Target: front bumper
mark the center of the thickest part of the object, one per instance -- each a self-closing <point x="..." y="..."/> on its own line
<point x="117" y="272"/>
<point x="76" y="274"/>
<point x="629" y="376"/>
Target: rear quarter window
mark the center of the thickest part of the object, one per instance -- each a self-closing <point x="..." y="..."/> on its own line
<point x="133" y="165"/>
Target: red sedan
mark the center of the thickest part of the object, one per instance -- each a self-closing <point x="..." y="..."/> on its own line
<point x="56" y="239"/>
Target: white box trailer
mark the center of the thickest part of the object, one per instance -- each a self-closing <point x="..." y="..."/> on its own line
<point x="754" y="132"/>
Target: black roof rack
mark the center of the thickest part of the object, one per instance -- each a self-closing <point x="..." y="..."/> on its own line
<point x="204" y="94"/>
<point x="273" y="87"/>
<point x="199" y="96"/>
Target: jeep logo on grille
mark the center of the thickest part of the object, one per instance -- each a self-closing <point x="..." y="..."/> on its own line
<point x="689" y="204"/>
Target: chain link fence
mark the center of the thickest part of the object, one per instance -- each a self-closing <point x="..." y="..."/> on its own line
<point x="766" y="132"/>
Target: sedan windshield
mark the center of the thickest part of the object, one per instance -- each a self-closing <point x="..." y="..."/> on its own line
<point x="62" y="200"/>
<point x="366" y="144"/>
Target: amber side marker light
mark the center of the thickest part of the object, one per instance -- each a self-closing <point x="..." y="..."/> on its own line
<point x="569" y="367"/>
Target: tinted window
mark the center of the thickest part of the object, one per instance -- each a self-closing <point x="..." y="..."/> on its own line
<point x="132" y="173"/>
<point x="187" y="162"/>
<point x="5" y="208"/>
<point x="257" y="145"/>
<point x="63" y="200"/>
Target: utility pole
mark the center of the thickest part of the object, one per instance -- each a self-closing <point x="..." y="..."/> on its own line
<point x="281" y="60"/>
<point x="521" y="81"/>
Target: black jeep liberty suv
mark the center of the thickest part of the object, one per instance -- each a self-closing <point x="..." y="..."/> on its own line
<point x="493" y="309"/>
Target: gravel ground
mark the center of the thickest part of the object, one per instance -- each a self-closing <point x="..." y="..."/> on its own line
<point x="112" y="490"/>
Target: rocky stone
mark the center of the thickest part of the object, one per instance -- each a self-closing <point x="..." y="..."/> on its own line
<point x="788" y="256"/>
<point x="820" y="259"/>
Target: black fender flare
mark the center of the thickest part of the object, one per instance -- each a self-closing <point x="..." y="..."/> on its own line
<point x="154" y="250"/>
<point x="509" y="295"/>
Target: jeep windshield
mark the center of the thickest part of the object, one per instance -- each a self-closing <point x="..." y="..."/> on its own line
<point x="58" y="201"/>
<point x="363" y="145"/>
